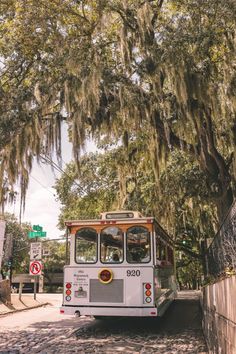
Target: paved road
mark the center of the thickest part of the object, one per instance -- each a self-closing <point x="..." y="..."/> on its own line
<point x="44" y="330"/>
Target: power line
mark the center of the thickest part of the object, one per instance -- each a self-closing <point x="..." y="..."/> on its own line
<point x="43" y="185"/>
<point x="48" y="160"/>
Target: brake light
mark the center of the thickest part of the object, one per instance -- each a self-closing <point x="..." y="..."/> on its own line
<point x="68" y="291"/>
<point x="147" y="293"/>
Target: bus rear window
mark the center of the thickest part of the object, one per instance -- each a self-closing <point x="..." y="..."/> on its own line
<point x="138" y="245"/>
<point x="112" y="245"/>
<point x="86" y="241"/>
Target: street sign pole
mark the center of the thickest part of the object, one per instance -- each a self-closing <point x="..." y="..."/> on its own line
<point x="36" y="254"/>
<point x="35" y="279"/>
<point x="35" y="286"/>
<point x="35" y="262"/>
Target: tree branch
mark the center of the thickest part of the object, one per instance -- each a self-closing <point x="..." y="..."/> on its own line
<point x="224" y="173"/>
<point x="188" y="251"/>
<point x="174" y="140"/>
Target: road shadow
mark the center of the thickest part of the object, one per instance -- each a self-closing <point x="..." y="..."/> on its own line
<point x="178" y="331"/>
<point x="182" y="314"/>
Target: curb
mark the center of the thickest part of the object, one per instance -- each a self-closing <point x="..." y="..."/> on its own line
<point x="25" y="309"/>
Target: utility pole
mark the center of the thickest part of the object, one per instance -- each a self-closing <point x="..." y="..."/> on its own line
<point x="2" y="234"/>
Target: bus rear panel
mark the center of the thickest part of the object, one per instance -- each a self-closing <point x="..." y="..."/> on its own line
<point x="120" y="265"/>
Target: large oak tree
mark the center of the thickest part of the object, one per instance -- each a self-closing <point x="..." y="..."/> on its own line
<point x="115" y="67"/>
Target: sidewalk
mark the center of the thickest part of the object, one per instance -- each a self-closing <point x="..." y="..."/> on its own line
<point x="27" y="302"/>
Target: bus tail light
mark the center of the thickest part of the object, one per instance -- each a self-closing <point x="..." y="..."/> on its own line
<point x="68" y="291"/>
<point x="147" y="292"/>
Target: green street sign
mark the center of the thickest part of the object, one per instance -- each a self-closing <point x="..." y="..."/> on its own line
<point x="33" y="234"/>
<point x="40" y="234"/>
<point x="37" y="228"/>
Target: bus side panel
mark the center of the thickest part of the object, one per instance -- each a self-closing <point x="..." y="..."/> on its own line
<point x="165" y="287"/>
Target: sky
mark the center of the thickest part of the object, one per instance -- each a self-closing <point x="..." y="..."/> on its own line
<point x="42" y="207"/>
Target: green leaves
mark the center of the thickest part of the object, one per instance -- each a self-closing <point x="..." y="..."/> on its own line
<point x="16" y="245"/>
<point x="113" y="68"/>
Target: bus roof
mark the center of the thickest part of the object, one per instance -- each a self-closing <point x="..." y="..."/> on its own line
<point x="118" y="217"/>
<point x="148" y="220"/>
<point x="113" y="217"/>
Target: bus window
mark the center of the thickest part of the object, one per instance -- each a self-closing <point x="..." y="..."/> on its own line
<point x="170" y="254"/>
<point x="138" y="245"/>
<point x="160" y="250"/>
<point x="86" y="246"/>
<point x="112" y="245"/>
<point x="158" y="253"/>
<point x="163" y="252"/>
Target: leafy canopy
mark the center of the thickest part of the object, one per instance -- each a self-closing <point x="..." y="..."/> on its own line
<point x="115" y="67"/>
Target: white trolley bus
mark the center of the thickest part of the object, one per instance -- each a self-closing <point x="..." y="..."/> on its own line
<point x="120" y="265"/>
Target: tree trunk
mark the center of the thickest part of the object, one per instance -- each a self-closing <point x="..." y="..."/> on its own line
<point x="211" y="162"/>
<point x="214" y="166"/>
<point x="223" y="204"/>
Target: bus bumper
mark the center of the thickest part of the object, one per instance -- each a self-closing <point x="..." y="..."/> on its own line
<point x="108" y="311"/>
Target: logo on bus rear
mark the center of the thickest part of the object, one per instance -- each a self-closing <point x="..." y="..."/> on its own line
<point x="105" y="276"/>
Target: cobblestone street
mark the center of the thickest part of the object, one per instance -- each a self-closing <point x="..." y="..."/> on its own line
<point x="179" y="331"/>
<point x="59" y="341"/>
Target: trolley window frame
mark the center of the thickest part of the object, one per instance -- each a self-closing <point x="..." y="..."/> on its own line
<point x="75" y="245"/>
<point x="100" y="248"/>
<point x="150" y="233"/>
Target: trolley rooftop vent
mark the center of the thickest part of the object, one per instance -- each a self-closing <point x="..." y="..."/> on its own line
<point x="123" y="214"/>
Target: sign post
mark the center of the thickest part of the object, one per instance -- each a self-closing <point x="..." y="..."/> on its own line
<point x="36" y="254"/>
<point x="35" y="286"/>
<point x="35" y="269"/>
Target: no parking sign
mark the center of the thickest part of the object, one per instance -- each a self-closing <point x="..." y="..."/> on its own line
<point x="35" y="268"/>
